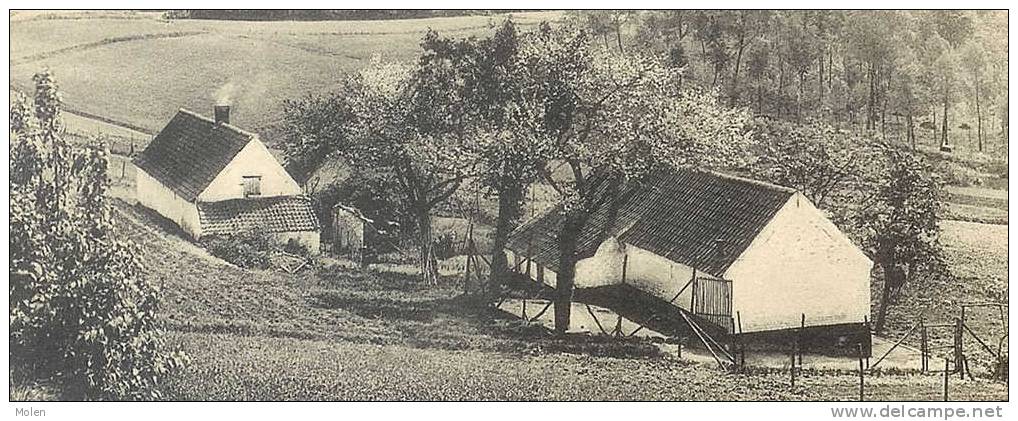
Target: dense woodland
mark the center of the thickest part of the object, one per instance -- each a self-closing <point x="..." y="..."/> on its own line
<point x="923" y="76"/>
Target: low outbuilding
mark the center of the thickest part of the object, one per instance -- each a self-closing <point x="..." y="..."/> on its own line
<point x="742" y="255"/>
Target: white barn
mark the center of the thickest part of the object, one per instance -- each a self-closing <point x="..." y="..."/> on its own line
<point x="731" y="250"/>
<point x="212" y="178"/>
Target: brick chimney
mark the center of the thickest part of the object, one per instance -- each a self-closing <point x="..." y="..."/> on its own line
<point x="222" y="113"/>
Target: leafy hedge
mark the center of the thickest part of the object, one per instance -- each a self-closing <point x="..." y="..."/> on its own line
<point x="81" y="314"/>
<point x="249" y="249"/>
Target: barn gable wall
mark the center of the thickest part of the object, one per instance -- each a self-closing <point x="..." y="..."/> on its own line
<point x="154" y="195"/>
<point x="254" y="160"/>
<point x="800" y="263"/>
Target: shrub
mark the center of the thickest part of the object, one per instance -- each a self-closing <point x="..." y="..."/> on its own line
<point x="248" y="249"/>
<point x="294" y="246"/>
<point x="80" y="313"/>
<point x="956" y="174"/>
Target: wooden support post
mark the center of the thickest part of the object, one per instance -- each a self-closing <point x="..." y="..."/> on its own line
<point x="123" y="168"/>
<point x="869" y="339"/>
<point x="959" y="365"/>
<point x="524" y="309"/>
<point x="862" y="383"/>
<point x="625" y="266"/>
<point x="947" y="375"/>
<point x="800" y="341"/>
<point x="924" y="347"/>
<point x="530" y="251"/>
<point x="742" y="346"/>
<point x="795" y="349"/>
<point x="692" y="295"/>
<point x="678" y="352"/>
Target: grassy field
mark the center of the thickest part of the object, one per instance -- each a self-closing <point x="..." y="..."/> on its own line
<point x="977" y="257"/>
<point x="139" y="69"/>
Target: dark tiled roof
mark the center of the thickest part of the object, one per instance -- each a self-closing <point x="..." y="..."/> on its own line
<point x="679" y="214"/>
<point x="190" y="152"/>
<point x="266" y="214"/>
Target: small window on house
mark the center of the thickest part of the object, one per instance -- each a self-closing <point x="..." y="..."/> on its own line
<point x="252" y="185"/>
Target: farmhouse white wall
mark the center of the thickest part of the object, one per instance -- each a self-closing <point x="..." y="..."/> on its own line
<point x="800" y="264"/>
<point x="154" y="195"/>
<point x="254" y="160"/>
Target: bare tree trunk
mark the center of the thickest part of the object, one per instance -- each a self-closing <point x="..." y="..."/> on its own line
<point x="575" y="220"/>
<point x="508" y="214"/>
<point x="820" y="80"/>
<point x="870" y="125"/>
<point x="830" y="70"/>
<point x="565" y="278"/>
<point x="979" y="119"/>
<point x="892" y="276"/>
<point x="618" y="37"/>
<point x="426" y="248"/>
<point x="943" y="136"/>
<point x="738" y="65"/>
<point x="910" y="130"/>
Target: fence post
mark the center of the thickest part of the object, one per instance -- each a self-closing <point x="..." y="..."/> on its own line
<point x="799" y="342"/>
<point x="946" y="377"/>
<point x="862" y="386"/>
<point x="959" y="365"/>
<point x="923" y="347"/>
<point x="742" y="345"/>
<point x="869" y="339"/>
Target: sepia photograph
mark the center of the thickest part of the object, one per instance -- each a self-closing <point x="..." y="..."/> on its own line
<point x="510" y="205"/>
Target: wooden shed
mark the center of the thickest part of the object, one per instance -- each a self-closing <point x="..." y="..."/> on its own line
<point x="348" y="229"/>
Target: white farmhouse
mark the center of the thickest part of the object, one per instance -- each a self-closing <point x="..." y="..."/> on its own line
<point x="212" y="178"/>
<point x="731" y="251"/>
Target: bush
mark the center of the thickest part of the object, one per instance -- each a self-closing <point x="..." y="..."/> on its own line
<point x="249" y="249"/>
<point x="294" y="246"/>
<point x="956" y="174"/>
<point x="80" y="312"/>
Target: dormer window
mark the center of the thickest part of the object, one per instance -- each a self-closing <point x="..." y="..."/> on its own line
<point x="252" y="185"/>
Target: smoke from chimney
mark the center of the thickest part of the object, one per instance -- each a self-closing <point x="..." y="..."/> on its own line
<point x="224" y="95"/>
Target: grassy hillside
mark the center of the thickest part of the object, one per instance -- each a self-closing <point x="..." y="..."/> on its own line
<point x="344" y="334"/>
<point x="977" y="257"/>
<point x="139" y="69"/>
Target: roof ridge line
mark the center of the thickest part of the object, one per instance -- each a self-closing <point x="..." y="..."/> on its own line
<point x="209" y="120"/>
<point x="754" y="182"/>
